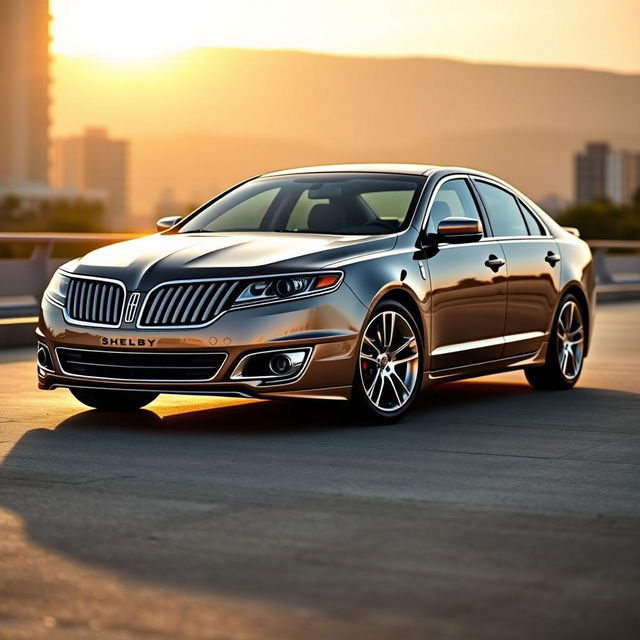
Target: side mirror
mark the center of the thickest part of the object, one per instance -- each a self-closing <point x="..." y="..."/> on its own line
<point x="166" y="223"/>
<point x="457" y="230"/>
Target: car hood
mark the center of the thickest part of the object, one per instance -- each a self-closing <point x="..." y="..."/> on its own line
<point x="144" y="262"/>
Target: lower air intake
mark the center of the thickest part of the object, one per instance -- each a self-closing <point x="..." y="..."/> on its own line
<point x="140" y="366"/>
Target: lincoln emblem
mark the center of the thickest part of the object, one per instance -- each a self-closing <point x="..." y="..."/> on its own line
<point x="132" y="305"/>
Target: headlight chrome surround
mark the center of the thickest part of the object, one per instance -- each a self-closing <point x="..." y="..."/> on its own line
<point x="287" y="287"/>
<point x="56" y="291"/>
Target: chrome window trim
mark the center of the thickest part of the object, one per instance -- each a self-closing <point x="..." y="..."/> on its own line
<point x="487" y="342"/>
<point x="81" y="323"/>
<point x="450" y="245"/>
<point x="518" y="238"/>
<point x="234" y="376"/>
<point x="141" y="380"/>
<point x="511" y="191"/>
<point x="244" y="306"/>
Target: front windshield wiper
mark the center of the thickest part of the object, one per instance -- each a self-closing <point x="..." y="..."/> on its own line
<point x="334" y="233"/>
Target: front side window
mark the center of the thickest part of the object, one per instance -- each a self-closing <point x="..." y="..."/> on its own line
<point x="335" y="203"/>
<point x="503" y="211"/>
<point x="453" y="198"/>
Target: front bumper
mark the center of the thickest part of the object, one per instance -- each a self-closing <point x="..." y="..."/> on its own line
<point x="326" y="325"/>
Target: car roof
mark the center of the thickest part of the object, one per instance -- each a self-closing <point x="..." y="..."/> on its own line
<point x="375" y="167"/>
<point x="382" y="167"/>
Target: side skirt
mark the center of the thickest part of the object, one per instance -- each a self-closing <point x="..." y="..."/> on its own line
<point x="486" y="368"/>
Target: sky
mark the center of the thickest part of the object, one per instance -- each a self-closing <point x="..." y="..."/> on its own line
<point x="597" y="34"/>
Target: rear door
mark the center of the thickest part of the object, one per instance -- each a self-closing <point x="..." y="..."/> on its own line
<point x="533" y="266"/>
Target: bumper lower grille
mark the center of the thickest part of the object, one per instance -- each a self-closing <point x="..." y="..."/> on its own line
<point x="95" y="301"/>
<point x="140" y="366"/>
<point x="184" y="304"/>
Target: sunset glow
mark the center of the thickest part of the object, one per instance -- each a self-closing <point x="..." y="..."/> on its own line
<point x="121" y="30"/>
<point x="520" y="31"/>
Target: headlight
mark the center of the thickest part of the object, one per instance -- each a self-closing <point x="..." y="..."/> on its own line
<point x="286" y="287"/>
<point x="56" y="292"/>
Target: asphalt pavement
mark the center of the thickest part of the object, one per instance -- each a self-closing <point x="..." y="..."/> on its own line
<point x="492" y="512"/>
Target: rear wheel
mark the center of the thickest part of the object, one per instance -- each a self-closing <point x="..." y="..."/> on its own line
<point x="108" y="400"/>
<point x="565" y="353"/>
<point x="390" y="364"/>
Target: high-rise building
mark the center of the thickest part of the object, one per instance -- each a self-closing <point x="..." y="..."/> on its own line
<point x="90" y="162"/>
<point x="603" y="173"/>
<point x="24" y="82"/>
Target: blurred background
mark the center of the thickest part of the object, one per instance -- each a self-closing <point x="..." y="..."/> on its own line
<point x="115" y="113"/>
<point x="491" y="512"/>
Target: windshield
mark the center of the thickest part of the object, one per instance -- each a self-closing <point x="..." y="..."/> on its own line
<point x="335" y="203"/>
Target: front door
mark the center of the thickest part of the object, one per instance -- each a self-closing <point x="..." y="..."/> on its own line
<point x="468" y="287"/>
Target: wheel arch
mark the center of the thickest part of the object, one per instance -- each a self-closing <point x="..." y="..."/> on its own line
<point x="408" y="301"/>
<point x="576" y="290"/>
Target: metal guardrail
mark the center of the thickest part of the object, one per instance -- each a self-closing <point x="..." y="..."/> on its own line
<point x="605" y="266"/>
<point x="29" y="276"/>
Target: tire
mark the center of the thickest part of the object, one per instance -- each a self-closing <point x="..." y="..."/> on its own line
<point x="107" y="400"/>
<point x="390" y="364"/>
<point x="565" y="353"/>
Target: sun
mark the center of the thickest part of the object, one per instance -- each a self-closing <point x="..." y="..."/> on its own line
<point x="122" y="30"/>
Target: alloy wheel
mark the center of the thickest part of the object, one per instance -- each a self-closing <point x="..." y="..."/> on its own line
<point x="389" y="361"/>
<point x="570" y="339"/>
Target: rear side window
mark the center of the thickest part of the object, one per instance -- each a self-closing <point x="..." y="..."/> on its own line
<point x="534" y="225"/>
<point x="452" y="199"/>
<point x="503" y="211"/>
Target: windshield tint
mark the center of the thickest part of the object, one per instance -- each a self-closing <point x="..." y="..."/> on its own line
<point x="336" y="203"/>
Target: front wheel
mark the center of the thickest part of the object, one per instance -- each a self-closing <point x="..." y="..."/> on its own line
<point x="565" y="353"/>
<point x="390" y="364"/>
<point x="108" y="400"/>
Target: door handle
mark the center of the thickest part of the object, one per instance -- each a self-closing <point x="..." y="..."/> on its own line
<point x="552" y="258"/>
<point x="494" y="263"/>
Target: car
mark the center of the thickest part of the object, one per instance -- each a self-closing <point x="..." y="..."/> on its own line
<point x="358" y="283"/>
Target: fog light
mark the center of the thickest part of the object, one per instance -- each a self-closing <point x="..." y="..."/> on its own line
<point x="270" y="366"/>
<point x="43" y="356"/>
<point x="280" y="364"/>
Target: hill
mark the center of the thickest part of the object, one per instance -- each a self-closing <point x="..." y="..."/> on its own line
<point x="208" y="117"/>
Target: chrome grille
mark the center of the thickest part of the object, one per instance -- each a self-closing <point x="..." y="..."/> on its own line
<point x="182" y="304"/>
<point x="141" y="366"/>
<point x="95" y="301"/>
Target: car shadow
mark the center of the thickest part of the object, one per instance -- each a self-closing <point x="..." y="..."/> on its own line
<point x="294" y="417"/>
<point x="244" y="499"/>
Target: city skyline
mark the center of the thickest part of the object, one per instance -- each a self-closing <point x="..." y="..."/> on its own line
<point x="603" y="173"/>
<point x="24" y="76"/>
